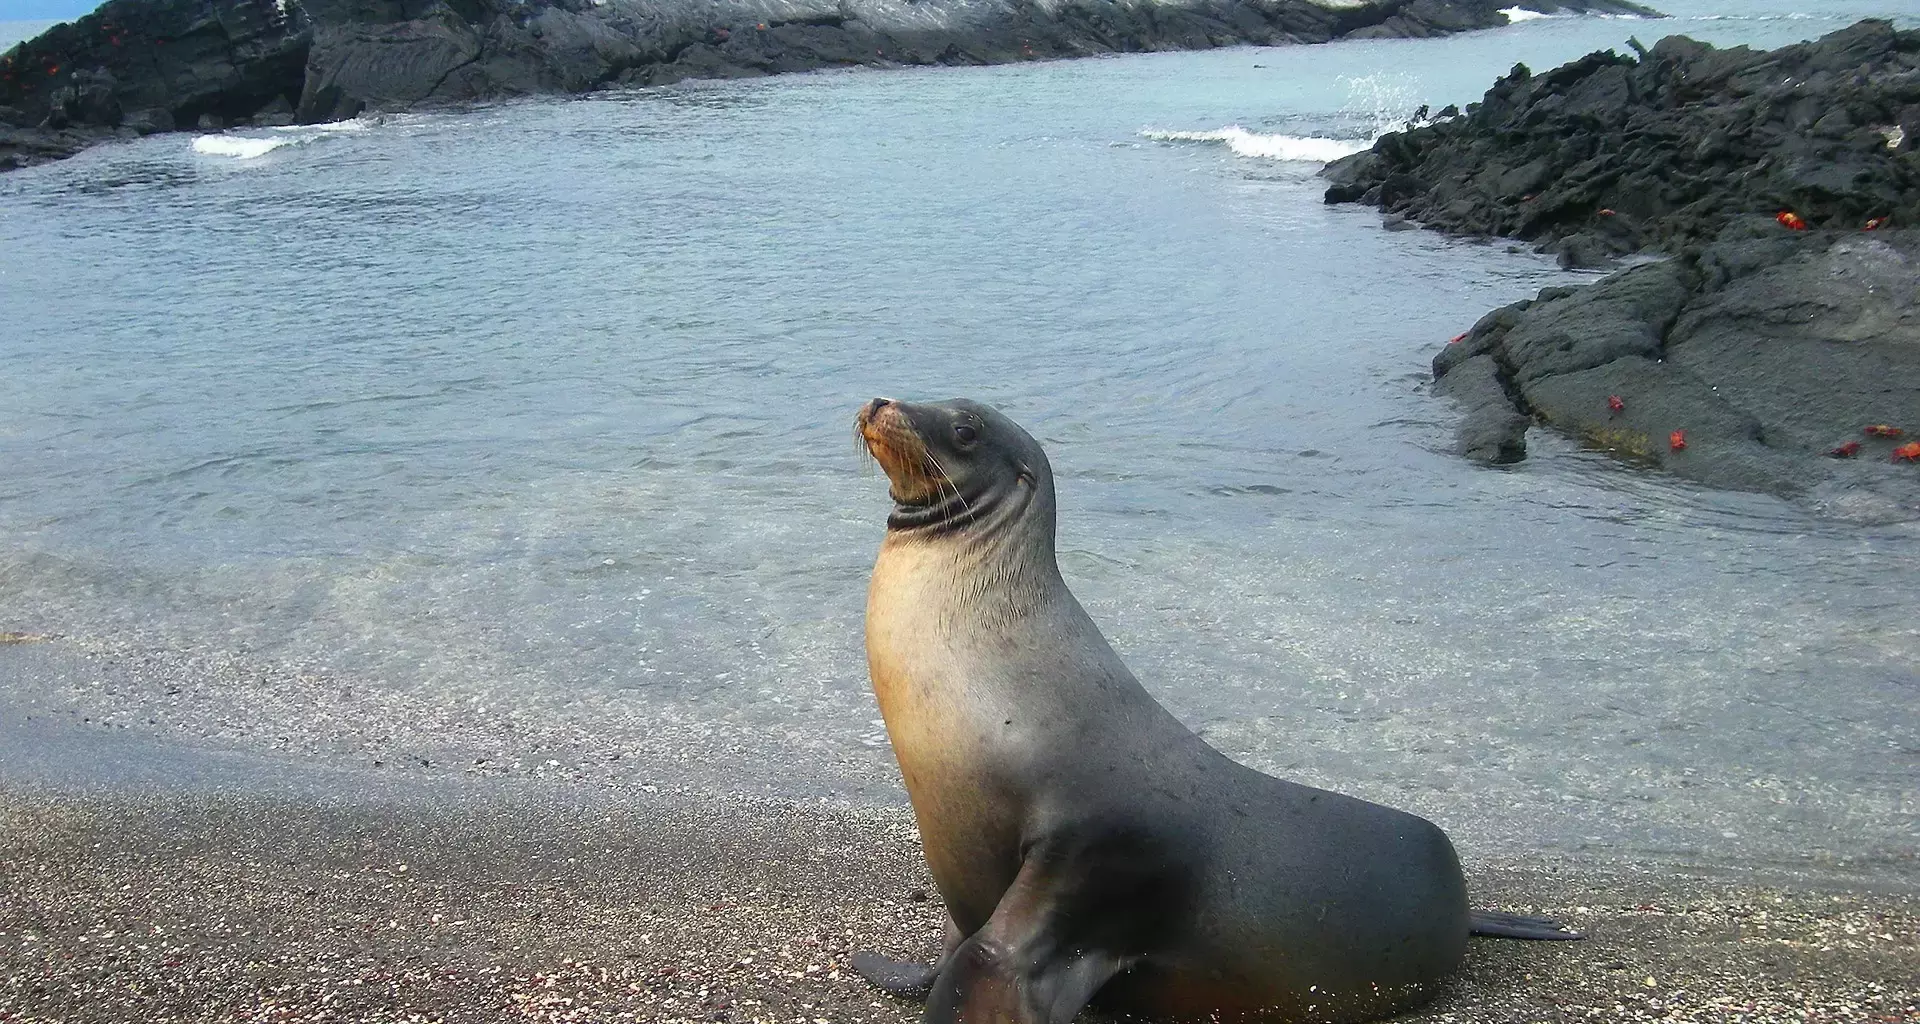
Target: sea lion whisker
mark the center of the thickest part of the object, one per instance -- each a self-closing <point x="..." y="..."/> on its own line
<point x="948" y="480"/>
<point x="864" y="450"/>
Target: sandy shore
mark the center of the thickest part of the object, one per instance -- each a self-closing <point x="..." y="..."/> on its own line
<point x="155" y="905"/>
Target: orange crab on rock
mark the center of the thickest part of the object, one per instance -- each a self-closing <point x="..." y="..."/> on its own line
<point x="1882" y="430"/>
<point x="1909" y="452"/>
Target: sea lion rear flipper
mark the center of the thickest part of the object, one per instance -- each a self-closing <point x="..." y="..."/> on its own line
<point x="1018" y="968"/>
<point x="1518" y="926"/>
<point x="895" y="977"/>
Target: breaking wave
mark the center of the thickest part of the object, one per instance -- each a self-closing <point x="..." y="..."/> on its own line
<point x="252" y="147"/>
<point x="1270" y="147"/>
<point x="238" y="147"/>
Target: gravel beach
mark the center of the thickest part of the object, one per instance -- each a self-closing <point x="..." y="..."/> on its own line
<point x="541" y="904"/>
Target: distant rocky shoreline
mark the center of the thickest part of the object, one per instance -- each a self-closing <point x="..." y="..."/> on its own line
<point x="1615" y="154"/>
<point x="1779" y="349"/>
<point x="135" y="67"/>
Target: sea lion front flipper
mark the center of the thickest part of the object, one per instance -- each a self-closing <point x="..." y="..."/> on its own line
<point x="1017" y="969"/>
<point x="905" y="979"/>
<point x="895" y="977"/>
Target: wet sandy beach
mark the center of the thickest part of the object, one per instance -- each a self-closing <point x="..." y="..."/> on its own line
<point x="152" y="904"/>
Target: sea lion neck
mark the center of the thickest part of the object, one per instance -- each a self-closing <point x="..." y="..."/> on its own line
<point x="1002" y="510"/>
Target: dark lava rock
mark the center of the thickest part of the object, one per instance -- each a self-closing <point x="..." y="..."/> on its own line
<point x="1768" y="340"/>
<point x="139" y="66"/>
<point x="1615" y="154"/>
<point x="1768" y="353"/>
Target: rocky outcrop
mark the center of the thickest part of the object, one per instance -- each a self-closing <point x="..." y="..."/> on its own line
<point x="1754" y="363"/>
<point x="137" y="66"/>
<point x="140" y="66"/>
<point x="1660" y="149"/>
<point x="1785" y="185"/>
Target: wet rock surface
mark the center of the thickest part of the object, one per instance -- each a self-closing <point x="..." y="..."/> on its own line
<point x="1786" y="187"/>
<point x="139" y="66"/>
<point x="1614" y="154"/>
<point x="1770" y="356"/>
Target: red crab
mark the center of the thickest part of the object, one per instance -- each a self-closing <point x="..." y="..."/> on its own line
<point x="1875" y="224"/>
<point x="1677" y="440"/>
<point x="1457" y="339"/>
<point x="1791" y="220"/>
<point x="1882" y="430"/>
<point x="1909" y="452"/>
<point x="1614" y="403"/>
<point x="1846" y="451"/>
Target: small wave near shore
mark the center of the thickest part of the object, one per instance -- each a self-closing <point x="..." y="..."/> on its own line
<point x="256" y="145"/>
<point x="1293" y="148"/>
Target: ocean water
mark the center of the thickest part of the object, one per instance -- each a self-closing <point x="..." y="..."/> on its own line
<point x="516" y="441"/>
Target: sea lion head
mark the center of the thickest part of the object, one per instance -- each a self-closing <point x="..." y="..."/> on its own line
<point x="956" y="465"/>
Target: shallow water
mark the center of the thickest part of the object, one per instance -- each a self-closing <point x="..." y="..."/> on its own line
<point x="546" y="407"/>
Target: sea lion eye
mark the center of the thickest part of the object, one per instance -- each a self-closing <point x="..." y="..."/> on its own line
<point x="965" y="433"/>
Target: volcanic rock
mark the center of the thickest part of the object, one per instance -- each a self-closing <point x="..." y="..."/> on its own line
<point x="1664" y="148"/>
<point x="1768" y="353"/>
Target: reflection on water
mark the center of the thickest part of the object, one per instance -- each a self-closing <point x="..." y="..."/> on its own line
<point x="527" y="429"/>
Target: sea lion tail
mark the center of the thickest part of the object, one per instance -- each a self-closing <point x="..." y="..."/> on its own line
<point x="1518" y="926"/>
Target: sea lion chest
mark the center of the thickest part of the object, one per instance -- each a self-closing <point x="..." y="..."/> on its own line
<point x="933" y="677"/>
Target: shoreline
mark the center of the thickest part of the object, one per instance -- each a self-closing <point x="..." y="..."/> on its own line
<point x="158" y="905"/>
<point x="238" y="63"/>
<point x="117" y="715"/>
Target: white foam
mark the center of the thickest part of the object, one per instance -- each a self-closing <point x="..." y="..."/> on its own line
<point x="1270" y="147"/>
<point x="236" y="146"/>
<point x="1522" y="14"/>
<point x="354" y="125"/>
<point x="252" y="147"/>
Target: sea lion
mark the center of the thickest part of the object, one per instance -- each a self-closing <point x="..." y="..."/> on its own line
<point x="1087" y="843"/>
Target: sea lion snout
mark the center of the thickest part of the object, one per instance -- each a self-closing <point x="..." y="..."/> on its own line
<point x="888" y="432"/>
<point x="891" y="438"/>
